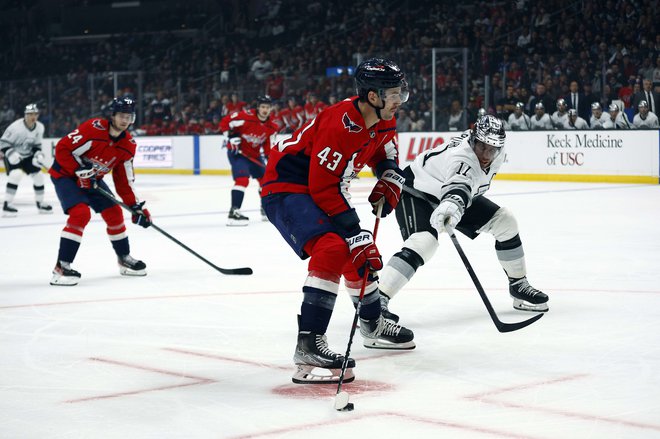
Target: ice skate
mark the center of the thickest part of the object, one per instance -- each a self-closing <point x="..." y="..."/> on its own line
<point x="383" y="334"/>
<point x="64" y="275"/>
<point x="44" y="208"/>
<point x="313" y="354"/>
<point x="526" y="297"/>
<point x="384" y="310"/>
<point x="8" y="210"/>
<point x="129" y="266"/>
<point x="236" y="218"/>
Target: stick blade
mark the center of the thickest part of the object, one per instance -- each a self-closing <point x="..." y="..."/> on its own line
<point x="236" y="271"/>
<point x="510" y="327"/>
<point x="341" y="402"/>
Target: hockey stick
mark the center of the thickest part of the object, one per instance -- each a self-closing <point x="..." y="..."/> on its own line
<point x="501" y="326"/>
<point x="108" y="195"/>
<point x="341" y="398"/>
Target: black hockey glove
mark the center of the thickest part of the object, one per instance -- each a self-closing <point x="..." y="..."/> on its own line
<point x="141" y="216"/>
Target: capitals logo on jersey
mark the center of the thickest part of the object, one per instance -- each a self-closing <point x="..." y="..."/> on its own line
<point x="351" y="126"/>
<point x="96" y="123"/>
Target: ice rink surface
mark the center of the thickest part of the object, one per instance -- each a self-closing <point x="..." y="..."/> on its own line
<point x="187" y="352"/>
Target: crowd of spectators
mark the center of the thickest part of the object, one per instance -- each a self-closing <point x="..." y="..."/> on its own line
<point x="527" y="51"/>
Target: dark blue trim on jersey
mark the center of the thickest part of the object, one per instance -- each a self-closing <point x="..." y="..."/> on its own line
<point x="387" y="129"/>
<point x="196" y="158"/>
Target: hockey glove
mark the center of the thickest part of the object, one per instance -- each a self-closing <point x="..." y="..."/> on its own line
<point x="387" y="191"/>
<point x="446" y="216"/>
<point x="12" y="156"/>
<point x="86" y="176"/>
<point x="141" y="216"/>
<point x="364" y="252"/>
<point x="234" y="143"/>
<point x="38" y="159"/>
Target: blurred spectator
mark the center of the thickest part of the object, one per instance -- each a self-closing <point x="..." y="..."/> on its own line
<point x="455" y="116"/>
<point x="577" y="100"/>
<point x="403" y="122"/>
<point x="275" y="85"/>
<point x="507" y="104"/>
<point x="293" y="116"/>
<point x="541" y="96"/>
<point x="261" y="67"/>
<point x="235" y="104"/>
<point x="647" y="94"/>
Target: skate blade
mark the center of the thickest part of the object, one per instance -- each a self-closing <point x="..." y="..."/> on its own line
<point x="304" y="374"/>
<point x="9" y="214"/>
<point x="64" y="281"/>
<point x="237" y="223"/>
<point x="45" y="212"/>
<point x="128" y="272"/>
<point x="522" y="305"/>
<point x="382" y="344"/>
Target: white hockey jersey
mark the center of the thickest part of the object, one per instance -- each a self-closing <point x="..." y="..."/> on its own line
<point x="453" y="166"/>
<point x="651" y="121"/>
<point x="559" y="119"/>
<point x="23" y="140"/>
<point x="519" y="123"/>
<point x="580" y="124"/>
<point x="542" y="123"/>
<point x="620" y="122"/>
<point x="598" y="123"/>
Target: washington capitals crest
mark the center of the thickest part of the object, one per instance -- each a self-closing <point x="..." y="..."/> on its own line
<point x="351" y="126"/>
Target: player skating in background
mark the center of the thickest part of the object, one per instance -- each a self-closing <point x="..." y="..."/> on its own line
<point x="249" y="141"/>
<point x="20" y="146"/>
<point x="82" y="158"/>
<point x="306" y="197"/>
<point x="444" y="191"/>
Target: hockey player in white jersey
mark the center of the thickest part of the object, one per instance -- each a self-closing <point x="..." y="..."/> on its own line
<point x="518" y="120"/>
<point x="645" y="119"/>
<point x="540" y="120"/>
<point x="598" y="118"/>
<point x="444" y="190"/>
<point x="21" y="149"/>
<point x="559" y="118"/>
<point x="617" y="120"/>
<point x="575" y="122"/>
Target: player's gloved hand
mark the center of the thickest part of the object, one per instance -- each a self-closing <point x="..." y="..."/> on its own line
<point x="141" y="216"/>
<point x="86" y="176"/>
<point x="448" y="213"/>
<point x="364" y="252"/>
<point x="12" y="156"/>
<point x="38" y="159"/>
<point x="234" y="144"/>
<point x="387" y="191"/>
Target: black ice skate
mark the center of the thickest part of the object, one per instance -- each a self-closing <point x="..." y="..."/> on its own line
<point x="384" y="310"/>
<point x="526" y="297"/>
<point x="44" y="208"/>
<point x="383" y="334"/>
<point x="129" y="266"/>
<point x="64" y="275"/>
<point x="236" y="218"/>
<point x="312" y="352"/>
<point x="9" y="210"/>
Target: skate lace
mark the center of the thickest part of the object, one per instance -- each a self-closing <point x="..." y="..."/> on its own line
<point x="391" y="329"/>
<point x="322" y="346"/>
<point x="525" y="288"/>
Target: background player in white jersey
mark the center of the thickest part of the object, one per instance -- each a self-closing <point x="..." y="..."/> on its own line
<point x="559" y="118"/>
<point x="575" y="122"/>
<point x="540" y="120"/>
<point x="617" y="120"/>
<point x="645" y="118"/>
<point x="598" y="118"/>
<point x="518" y="120"/>
<point x="21" y="149"/>
<point x="444" y="190"/>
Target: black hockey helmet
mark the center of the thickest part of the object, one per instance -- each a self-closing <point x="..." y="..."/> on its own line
<point x="379" y="74"/>
<point x="31" y="108"/>
<point x="124" y="104"/>
<point x="264" y="99"/>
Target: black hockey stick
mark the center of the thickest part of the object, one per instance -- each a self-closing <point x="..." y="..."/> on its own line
<point x="501" y="326"/>
<point x="108" y="195"/>
<point x="341" y="398"/>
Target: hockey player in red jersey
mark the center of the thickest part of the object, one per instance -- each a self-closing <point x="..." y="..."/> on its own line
<point x="249" y="135"/>
<point x="305" y="195"/>
<point x="82" y="158"/>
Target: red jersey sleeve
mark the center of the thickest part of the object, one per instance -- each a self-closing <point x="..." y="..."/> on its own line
<point x="75" y="144"/>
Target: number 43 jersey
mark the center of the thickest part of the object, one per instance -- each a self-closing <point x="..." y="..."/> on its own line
<point x="324" y="155"/>
<point x="452" y="167"/>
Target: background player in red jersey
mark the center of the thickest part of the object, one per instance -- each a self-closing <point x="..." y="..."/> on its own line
<point x="82" y="158"/>
<point x="306" y="197"/>
<point x="249" y="135"/>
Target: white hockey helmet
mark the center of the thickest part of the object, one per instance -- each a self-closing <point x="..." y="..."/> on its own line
<point x="31" y="108"/>
<point x="489" y="130"/>
<point x="596" y="106"/>
<point x="572" y="112"/>
<point x="614" y="107"/>
<point x="643" y="104"/>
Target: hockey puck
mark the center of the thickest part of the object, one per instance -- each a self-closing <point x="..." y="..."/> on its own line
<point x="349" y="407"/>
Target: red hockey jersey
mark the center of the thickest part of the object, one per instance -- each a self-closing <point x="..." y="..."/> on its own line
<point x="323" y="156"/>
<point x="254" y="133"/>
<point x="90" y="143"/>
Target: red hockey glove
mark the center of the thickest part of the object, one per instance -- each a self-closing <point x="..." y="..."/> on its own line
<point x="387" y="191"/>
<point x="141" y="216"/>
<point x="364" y="252"/>
<point x="86" y="176"/>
